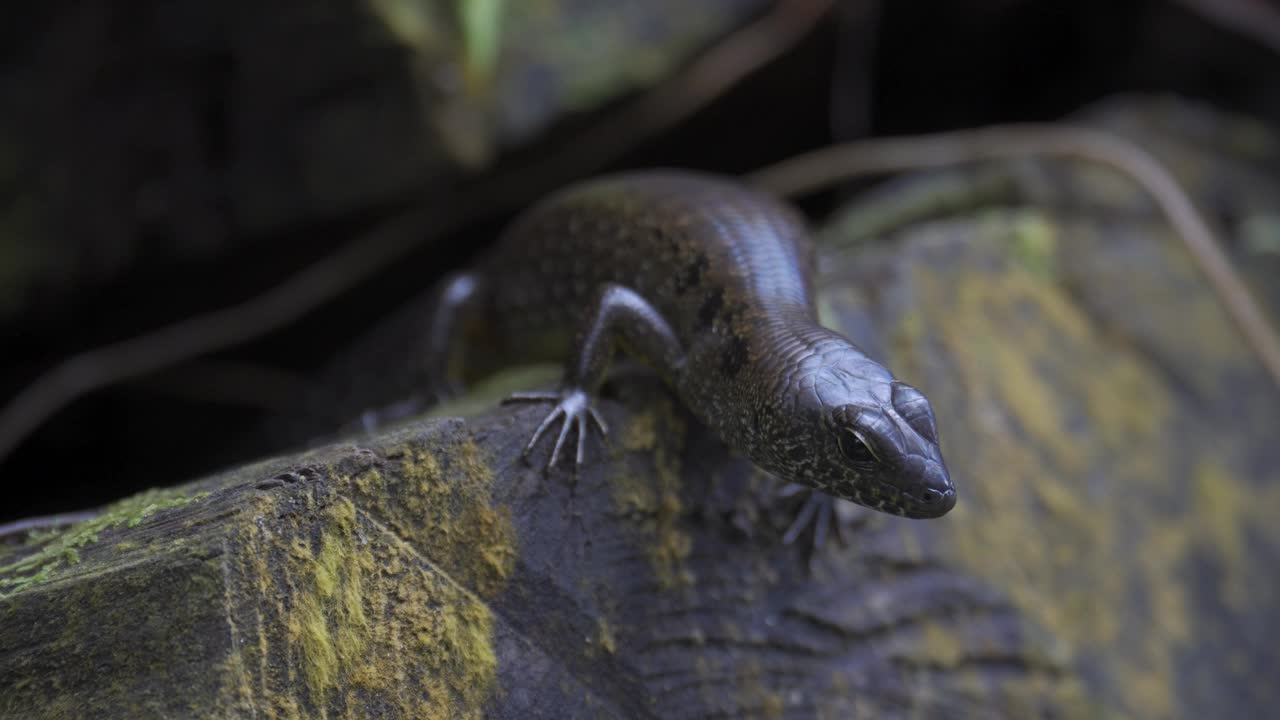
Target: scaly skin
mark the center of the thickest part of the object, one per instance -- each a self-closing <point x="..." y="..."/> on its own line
<point x="710" y="283"/>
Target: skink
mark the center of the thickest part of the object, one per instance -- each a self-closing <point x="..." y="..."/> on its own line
<point x="710" y="283"/>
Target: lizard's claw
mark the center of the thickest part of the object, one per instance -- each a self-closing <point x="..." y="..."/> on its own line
<point x="827" y="515"/>
<point x="573" y="409"/>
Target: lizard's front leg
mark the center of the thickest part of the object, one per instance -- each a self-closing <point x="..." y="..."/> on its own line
<point x="459" y="300"/>
<point x="618" y="314"/>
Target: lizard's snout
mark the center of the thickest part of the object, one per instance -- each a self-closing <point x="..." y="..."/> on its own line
<point x="933" y="495"/>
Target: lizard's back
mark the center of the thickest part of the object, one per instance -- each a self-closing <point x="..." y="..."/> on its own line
<point x="710" y="255"/>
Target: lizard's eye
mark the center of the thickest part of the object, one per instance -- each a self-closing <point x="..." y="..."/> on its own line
<point x="857" y="449"/>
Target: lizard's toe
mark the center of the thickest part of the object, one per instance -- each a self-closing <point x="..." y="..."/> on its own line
<point x="574" y="412"/>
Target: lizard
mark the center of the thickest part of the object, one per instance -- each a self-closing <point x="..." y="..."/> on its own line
<point x="710" y="283"/>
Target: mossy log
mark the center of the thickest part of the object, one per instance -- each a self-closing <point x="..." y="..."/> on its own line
<point x="429" y="572"/>
<point x="1112" y="440"/>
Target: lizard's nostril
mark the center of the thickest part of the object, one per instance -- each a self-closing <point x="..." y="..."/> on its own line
<point x="935" y="493"/>
<point x="938" y="501"/>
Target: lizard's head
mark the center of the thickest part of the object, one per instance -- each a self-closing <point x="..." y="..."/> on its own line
<point x="886" y="456"/>
<point x="874" y="441"/>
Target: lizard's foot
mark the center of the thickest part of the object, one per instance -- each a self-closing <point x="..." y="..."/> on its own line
<point x="825" y="514"/>
<point x="573" y="409"/>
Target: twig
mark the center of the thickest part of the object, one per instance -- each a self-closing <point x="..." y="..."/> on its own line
<point x="45" y="522"/>
<point x="203" y="334"/>
<point x="719" y="68"/>
<point x="826" y="166"/>
<point x="714" y="72"/>
<point x="228" y="383"/>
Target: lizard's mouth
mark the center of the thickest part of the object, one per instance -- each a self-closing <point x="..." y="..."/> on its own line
<point x="929" y="503"/>
<point x="932" y="497"/>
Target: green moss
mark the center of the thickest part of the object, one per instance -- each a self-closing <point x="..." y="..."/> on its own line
<point x="60" y="548"/>
<point x="19" y="582"/>
<point x="486" y="394"/>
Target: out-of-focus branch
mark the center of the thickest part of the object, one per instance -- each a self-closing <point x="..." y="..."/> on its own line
<point x="228" y="383"/>
<point x="706" y="78"/>
<point x="826" y="166"/>
<point x="43" y="523"/>
<point x="1257" y="20"/>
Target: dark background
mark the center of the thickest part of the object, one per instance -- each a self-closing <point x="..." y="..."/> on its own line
<point x="900" y="67"/>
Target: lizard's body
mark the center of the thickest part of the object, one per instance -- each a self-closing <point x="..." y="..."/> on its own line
<point x="710" y="283"/>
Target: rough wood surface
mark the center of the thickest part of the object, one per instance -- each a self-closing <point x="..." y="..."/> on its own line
<point x="1111" y="439"/>
<point x="429" y="573"/>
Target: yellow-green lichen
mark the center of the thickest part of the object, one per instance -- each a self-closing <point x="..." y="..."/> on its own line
<point x="1034" y="243"/>
<point x="439" y="499"/>
<point x="654" y="501"/>
<point x="447" y="512"/>
<point x="361" y="617"/>
<point x="772" y="706"/>
<point x="329" y="620"/>
<point x="608" y="642"/>
<point x="1078" y="365"/>
<point x="1062" y="455"/>
<point x="940" y="645"/>
<point x="1225" y="508"/>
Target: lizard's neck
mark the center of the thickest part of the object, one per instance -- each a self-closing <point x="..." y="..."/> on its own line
<point x="759" y="375"/>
